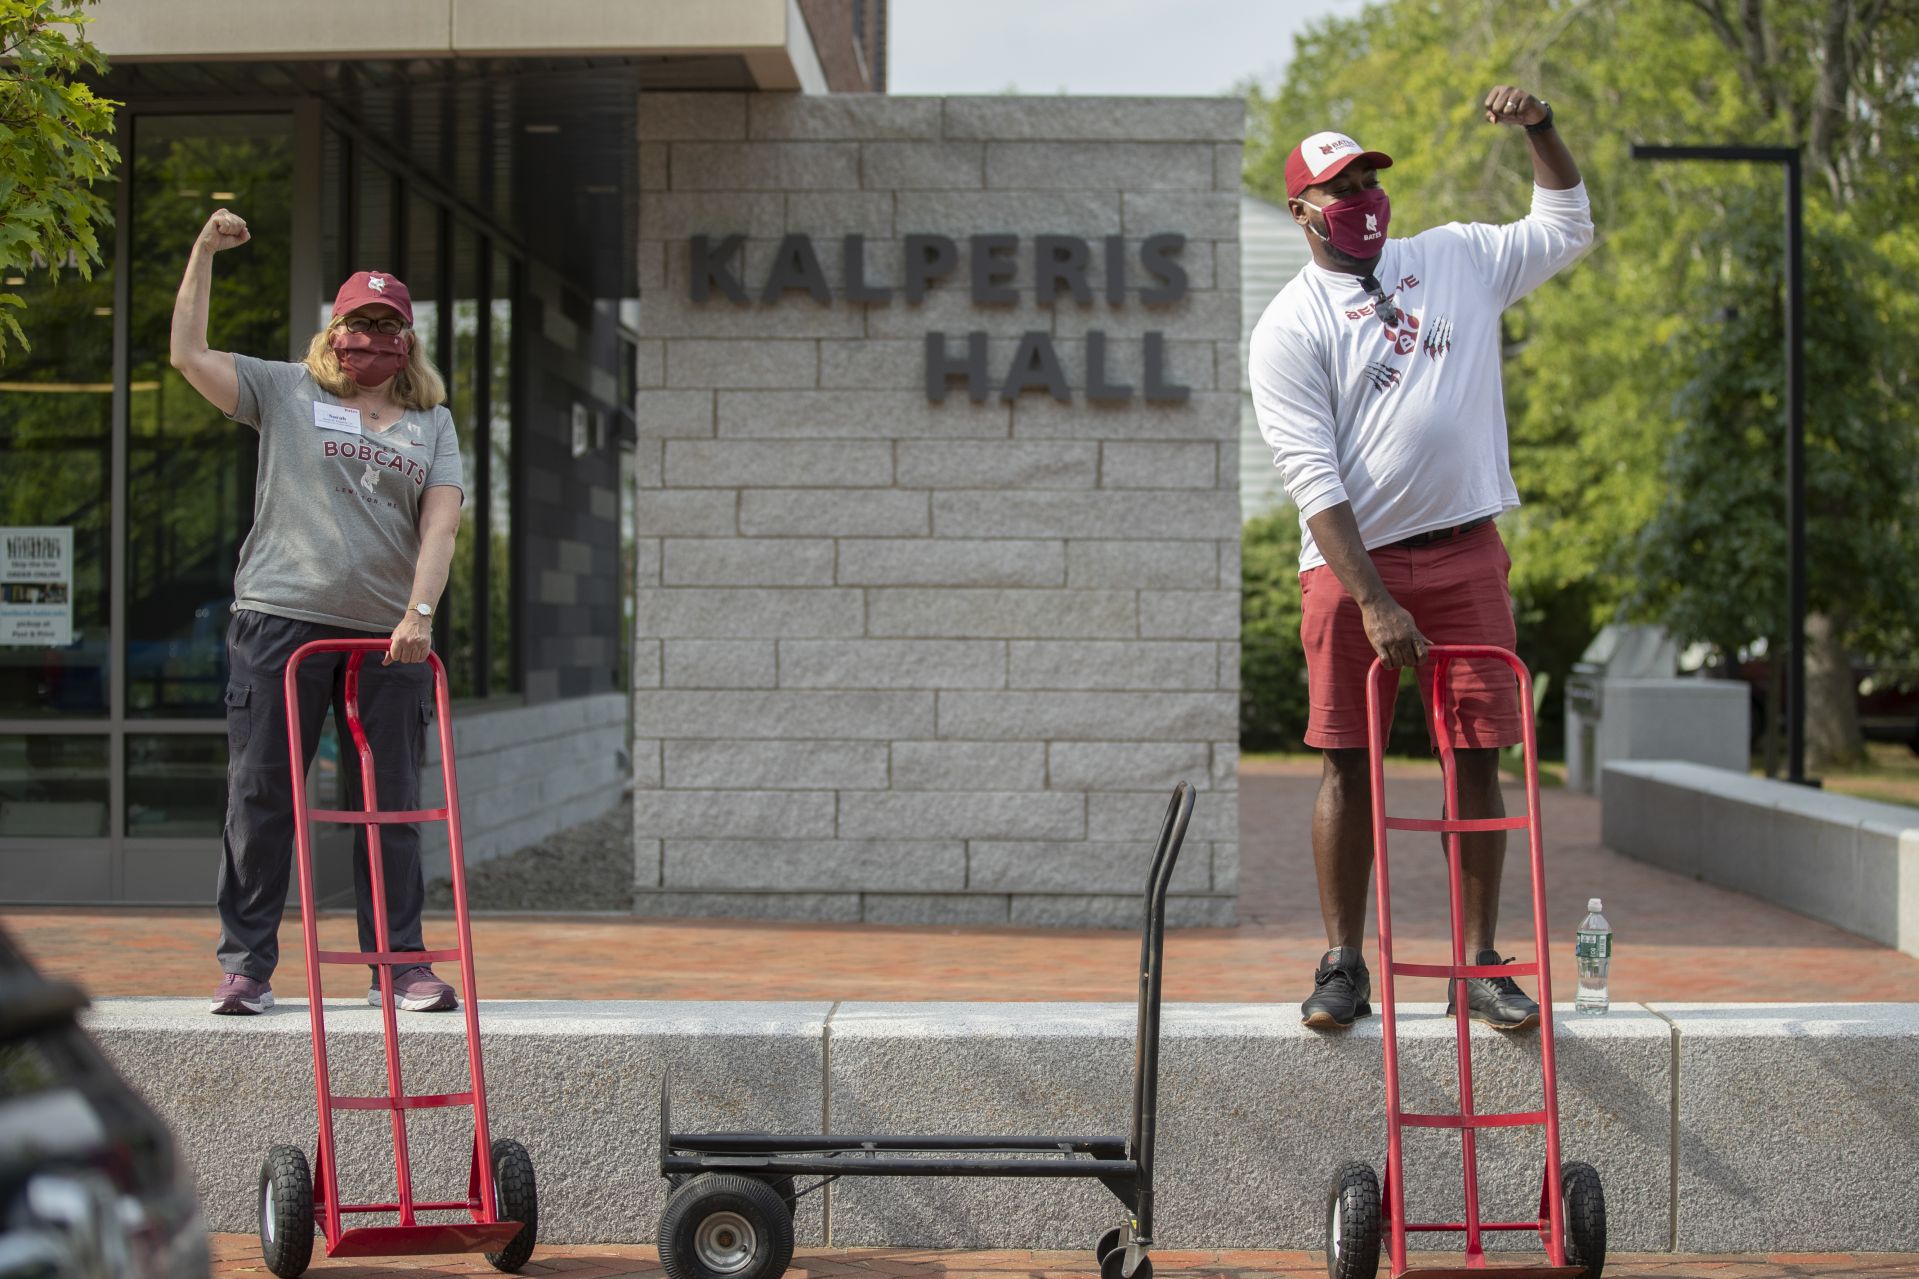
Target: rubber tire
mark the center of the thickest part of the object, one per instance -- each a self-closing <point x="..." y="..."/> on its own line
<point x="517" y="1198"/>
<point x="1107" y="1242"/>
<point x="759" y="1203"/>
<point x="782" y="1186"/>
<point x="1354" y="1192"/>
<point x="1585" y="1217"/>
<point x="290" y="1248"/>
<point x="1114" y="1262"/>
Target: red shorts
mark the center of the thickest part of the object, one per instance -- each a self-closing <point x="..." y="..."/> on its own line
<point x="1456" y="591"/>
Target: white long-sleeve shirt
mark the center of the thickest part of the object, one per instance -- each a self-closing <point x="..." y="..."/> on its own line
<point x="1406" y="421"/>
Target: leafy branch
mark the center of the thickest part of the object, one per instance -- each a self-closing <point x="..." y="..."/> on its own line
<point x="54" y="148"/>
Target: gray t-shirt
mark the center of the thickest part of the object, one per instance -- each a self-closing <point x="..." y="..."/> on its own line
<point x="336" y="513"/>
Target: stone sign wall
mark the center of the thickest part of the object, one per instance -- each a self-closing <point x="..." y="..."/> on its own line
<point x="939" y="559"/>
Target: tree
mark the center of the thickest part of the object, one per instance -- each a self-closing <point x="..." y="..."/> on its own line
<point x="1609" y="365"/>
<point x="55" y="144"/>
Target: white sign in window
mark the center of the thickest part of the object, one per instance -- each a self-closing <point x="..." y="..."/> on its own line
<point x="36" y="587"/>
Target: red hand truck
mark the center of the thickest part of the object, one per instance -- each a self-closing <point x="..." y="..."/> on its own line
<point x="500" y="1203"/>
<point x="1572" y="1207"/>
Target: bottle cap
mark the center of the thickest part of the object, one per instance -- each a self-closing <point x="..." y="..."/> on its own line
<point x="1593" y="905"/>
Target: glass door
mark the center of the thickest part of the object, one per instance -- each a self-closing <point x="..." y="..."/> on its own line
<point x="112" y="730"/>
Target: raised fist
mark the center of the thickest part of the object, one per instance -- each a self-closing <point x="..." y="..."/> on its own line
<point x="1507" y="105"/>
<point x="224" y="230"/>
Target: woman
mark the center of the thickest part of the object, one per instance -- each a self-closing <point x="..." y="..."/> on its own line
<point x="353" y="522"/>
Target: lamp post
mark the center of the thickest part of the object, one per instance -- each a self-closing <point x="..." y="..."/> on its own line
<point x="1795" y="425"/>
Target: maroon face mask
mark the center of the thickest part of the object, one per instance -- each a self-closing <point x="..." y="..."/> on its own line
<point x="371" y="358"/>
<point x="1356" y="226"/>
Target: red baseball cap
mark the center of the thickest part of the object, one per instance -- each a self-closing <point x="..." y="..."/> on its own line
<point x="1319" y="157"/>
<point x="373" y="288"/>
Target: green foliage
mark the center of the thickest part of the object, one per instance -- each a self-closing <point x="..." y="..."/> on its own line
<point x="1645" y="426"/>
<point x="55" y="143"/>
<point x="1712" y="558"/>
<point x="1272" y="665"/>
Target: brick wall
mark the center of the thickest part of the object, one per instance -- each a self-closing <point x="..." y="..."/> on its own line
<point x="903" y="660"/>
<point x="569" y="538"/>
<point x="525" y="773"/>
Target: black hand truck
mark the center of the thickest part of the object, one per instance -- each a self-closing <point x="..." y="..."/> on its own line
<point x="729" y="1213"/>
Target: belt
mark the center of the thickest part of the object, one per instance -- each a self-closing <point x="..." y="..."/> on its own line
<point x="1441" y="534"/>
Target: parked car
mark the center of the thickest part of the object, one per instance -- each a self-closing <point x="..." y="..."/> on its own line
<point x="91" y="1183"/>
<point x="1888" y="701"/>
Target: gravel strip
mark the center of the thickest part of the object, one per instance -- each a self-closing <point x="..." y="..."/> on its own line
<point x="584" y="867"/>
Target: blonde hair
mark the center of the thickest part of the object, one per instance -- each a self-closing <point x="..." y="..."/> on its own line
<point x="417" y="386"/>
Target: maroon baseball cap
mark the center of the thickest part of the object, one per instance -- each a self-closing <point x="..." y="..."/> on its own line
<point x="1320" y="157"/>
<point x="373" y="288"/>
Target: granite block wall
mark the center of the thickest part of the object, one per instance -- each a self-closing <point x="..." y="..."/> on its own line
<point x="939" y="561"/>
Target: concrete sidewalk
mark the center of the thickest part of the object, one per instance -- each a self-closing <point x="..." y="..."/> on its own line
<point x="1677" y="940"/>
<point x="235" y="1255"/>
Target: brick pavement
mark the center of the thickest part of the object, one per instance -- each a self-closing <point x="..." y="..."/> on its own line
<point x="240" y="1255"/>
<point x="1677" y="939"/>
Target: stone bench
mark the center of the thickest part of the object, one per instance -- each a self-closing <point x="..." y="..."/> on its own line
<point x="1722" y="1128"/>
<point x="1850" y="862"/>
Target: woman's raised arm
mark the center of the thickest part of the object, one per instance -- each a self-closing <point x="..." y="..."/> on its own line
<point x="209" y="372"/>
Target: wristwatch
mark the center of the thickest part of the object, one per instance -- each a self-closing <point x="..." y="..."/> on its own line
<point x="423" y="609"/>
<point x="1545" y="124"/>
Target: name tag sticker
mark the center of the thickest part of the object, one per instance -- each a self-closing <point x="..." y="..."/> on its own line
<point x="337" y="417"/>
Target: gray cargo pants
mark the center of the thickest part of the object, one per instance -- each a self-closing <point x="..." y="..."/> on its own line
<point x="396" y="704"/>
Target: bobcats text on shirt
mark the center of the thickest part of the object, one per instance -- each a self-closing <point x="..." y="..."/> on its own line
<point x="1406" y="420"/>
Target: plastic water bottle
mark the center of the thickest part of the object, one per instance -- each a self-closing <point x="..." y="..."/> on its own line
<point x="1594" y="953"/>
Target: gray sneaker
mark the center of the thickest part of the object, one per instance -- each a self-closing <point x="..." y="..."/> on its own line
<point x="238" y="995"/>
<point x="417" y="990"/>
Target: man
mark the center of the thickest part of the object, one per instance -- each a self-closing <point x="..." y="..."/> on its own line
<point x="1376" y="377"/>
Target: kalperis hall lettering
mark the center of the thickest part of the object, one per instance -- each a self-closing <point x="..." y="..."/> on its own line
<point x="1060" y="266"/>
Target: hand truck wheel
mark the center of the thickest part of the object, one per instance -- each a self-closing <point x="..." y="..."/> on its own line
<point x="722" y="1226"/>
<point x="516" y="1198"/>
<point x="1113" y="1266"/>
<point x="1112" y="1239"/>
<point x="1352" y="1223"/>
<point x="286" y="1211"/>
<point x="1585" y="1217"/>
<point x="782" y="1186"/>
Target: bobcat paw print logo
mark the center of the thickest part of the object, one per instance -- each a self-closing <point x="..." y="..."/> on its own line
<point x="377" y="283"/>
<point x="1384" y="377"/>
<point x="370" y="480"/>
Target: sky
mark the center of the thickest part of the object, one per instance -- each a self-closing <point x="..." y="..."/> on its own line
<point x="1094" y="46"/>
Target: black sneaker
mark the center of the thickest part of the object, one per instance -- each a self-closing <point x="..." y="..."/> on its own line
<point x="1497" y="1001"/>
<point x="1341" y="989"/>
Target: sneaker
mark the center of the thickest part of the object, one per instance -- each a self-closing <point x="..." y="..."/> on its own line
<point x="1341" y="991"/>
<point x="1497" y="1001"/>
<point x="238" y="995"/>
<point x="417" y="990"/>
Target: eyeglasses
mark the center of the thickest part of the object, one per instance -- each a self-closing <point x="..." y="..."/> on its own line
<point x="361" y="324"/>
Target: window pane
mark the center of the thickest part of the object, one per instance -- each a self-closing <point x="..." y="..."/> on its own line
<point x="190" y="471"/>
<point x="464" y="594"/>
<point x="176" y="786"/>
<point x="373" y="220"/>
<point x="53" y="787"/>
<point x="333" y="221"/>
<point x="56" y="458"/>
<point x="499" y="498"/>
<point x="423" y="272"/>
